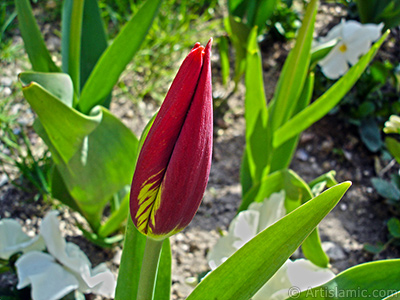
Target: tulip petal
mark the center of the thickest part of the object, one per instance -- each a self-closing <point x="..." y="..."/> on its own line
<point x="181" y="132"/>
<point x="187" y="173"/>
<point x="161" y="139"/>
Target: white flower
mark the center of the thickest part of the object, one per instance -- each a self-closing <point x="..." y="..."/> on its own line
<point x="64" y="269"/>
<point x="301" y="274"/>
<point x="354" y="40"/>
<point x="392" y="125"/>
<point x="13" y="239"/>
<point x="245" y="226"/>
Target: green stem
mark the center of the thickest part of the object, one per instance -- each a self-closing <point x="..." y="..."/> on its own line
<point x="148" y="273"/>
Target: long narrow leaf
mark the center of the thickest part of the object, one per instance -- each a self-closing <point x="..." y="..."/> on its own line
<point x="294" y="71"/>
<point x="327" y="101"/>
<point x="94" y="39"/>
<point x="114" y="60"/>
<point x="256" y="113"/>
<point x="38" y="54"/>
<point x="245" y="272"/>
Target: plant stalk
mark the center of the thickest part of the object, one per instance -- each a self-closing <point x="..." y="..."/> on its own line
<point x="148" y="273"/>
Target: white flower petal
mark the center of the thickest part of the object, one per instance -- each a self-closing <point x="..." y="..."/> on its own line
<point x="280" y="281"/>
<point x="334" y="64"/>
<point x="272" y="210"/>
<point x="100" y="281"/>
<point x="351" y="30"/>
<point x="244" y="227"/>
<point x="334" y="33"/>
<point x="304" y="274"/>
<point x="48" y="279"/>
<point x="68" y="254"/>
<point x="355" y="49"/>
<point x="221" y="251"/>
<point x="13" y="239"/>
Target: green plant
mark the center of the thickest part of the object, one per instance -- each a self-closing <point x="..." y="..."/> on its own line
<point x="377" y="11"/>
<point x="16" y="152"/>
<point x="93" y="152"/>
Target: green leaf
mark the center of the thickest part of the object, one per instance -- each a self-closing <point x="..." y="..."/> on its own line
<point x="327" y="101"/>
<point x="283" y="155"/>
<point x="312" y="249"/>
<point x="35" y="47"/>
<point x="256" y="113"/>
<point x="131" y="263"/>
<point x="115" y="58"/>
<point x="265" y="9"/>
<point x="246" y="271"/>
<point x="295" y="188"/>
<point x="394" y="227"/>
<point x="59" y="85"/>
<point x="294" y="71"/>
<point x="65" y="127"/>
<point x="223" y="48"/>
<point x="394" y="147"/>
<point x="94" y="39"/>
<point x="103" y="165"/>
<point x="370" y="134"/>
<point x="393" y="296"/>
<point x="116" y="218"/>
<point x="386" y="188"/>
<point x="374" y="280"/>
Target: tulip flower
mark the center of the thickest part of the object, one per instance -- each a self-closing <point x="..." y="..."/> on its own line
<point x="174" y="162"/>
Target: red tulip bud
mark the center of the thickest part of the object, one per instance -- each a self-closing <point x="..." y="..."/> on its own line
<point x="174" y="163"/>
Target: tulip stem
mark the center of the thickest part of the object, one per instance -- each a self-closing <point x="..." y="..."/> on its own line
<point x="148" y="272"/>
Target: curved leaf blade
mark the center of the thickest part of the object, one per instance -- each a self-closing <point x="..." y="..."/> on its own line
<point x="245" y="272"/>
<point x="115" y="58"/>
<point x="327" y="101"/>
<point x="374" y="280"/>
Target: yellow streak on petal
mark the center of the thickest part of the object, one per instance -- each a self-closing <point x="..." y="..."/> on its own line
<point x="147" y="197"/>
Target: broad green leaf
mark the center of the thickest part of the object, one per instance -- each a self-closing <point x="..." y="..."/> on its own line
<point x="115" y="58"/>
<point x="103" y="165"/>
<point x="66" y="128"/>
<point x="245" y="272"/>
<point x="327" y="101"/>
<point x="374" y="280"/>
<point x="57" y="84"/>
<point x="35" y="47"/>
<point x="294" y="71"/>
<point x="131" y="263"/>
<point x="256" y="113"/>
